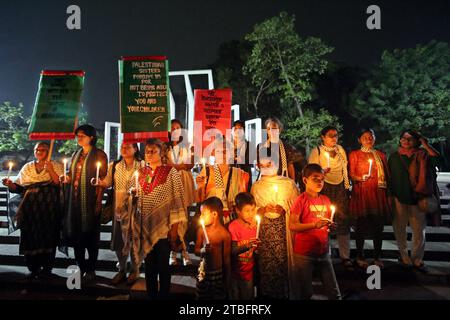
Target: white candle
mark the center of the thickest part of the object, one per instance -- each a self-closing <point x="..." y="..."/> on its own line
<point x="99" y="164"/>
<point x="370" y="167"/>
<point x="258" y="224"/>
<point x="204" y="163"/>
<point x="327" y="155"/>
<point x="136" y="182"/>
<point x="275" y="189"/>
<point x="333" y="210"/>
<point x="10" y="165"/>
<point x="65" y="168"/>
<point x="202" y="222"/>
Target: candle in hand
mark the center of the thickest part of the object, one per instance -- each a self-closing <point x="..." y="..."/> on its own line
<point x="99" y="164"/>
<point x="10" y="165"/>
<point x="204" y="163"/>
<point x="327" y="155"/>
<point x="258" y="224"/>
<point x="275" y="189"/>
<point x="333" y="210"/>
<point x="202" y="222"/>
<point x="370" y="168"/>
<point x="65" y="168"/>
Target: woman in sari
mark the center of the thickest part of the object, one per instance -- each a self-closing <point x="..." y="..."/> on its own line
<point x="83" y="200"/>
<point x="368" y="203"/>
<point x="39" y="213"/>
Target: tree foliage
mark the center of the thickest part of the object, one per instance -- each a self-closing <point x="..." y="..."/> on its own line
<point x="308" y="128"/>
<point x="410" y="88"/>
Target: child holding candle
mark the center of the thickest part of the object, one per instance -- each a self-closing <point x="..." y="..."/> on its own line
<point x="309" y="221"/>
<point x="368" y="203"/>
<point x="215" y="268"/>
<point x="244" y="241"/>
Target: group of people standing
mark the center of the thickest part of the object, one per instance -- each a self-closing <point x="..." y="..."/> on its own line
<point x="276" y="253"/>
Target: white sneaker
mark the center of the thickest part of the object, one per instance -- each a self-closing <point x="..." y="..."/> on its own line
<point x="186" y="259"/>
<point x="173" y="258"/>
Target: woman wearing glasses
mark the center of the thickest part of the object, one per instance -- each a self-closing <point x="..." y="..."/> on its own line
<point x="413" y="177"/>
<point x="333" y="159"/>
<point x="158" y="208"/>
<point x="38" y="215"/>
<point x="83" y="200"/>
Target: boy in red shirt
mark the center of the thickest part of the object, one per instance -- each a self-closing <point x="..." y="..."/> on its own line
<point x="243" y="245"/>
<point x="310" y="220"/>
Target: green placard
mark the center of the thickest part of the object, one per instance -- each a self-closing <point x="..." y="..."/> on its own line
<point x="144" y="94"/>
<point x="57" y="103"/>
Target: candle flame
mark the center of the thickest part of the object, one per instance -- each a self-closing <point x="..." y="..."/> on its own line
<point x="65" y="161"/>
<point x="370" y="160"/>
<point x="202" y="222"/>
<point x="203" y="161"/>
<point x="99" y="164"/>
<point x="333" y="209"/>
<point x="275" y="188"/>
<point x="10" y="165"/>
<point x="136" y="174"/>
<point x="258" y="218"/>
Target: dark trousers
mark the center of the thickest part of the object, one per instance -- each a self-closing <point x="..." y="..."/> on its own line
<point x="377" y="244"/>
<point x="157" y="263"/>
<point x="89" y="242"/>
<point x="41" y="260"/>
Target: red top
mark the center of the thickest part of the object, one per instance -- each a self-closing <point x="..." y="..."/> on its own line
<point x="313" y="242"/>
<point x="242" y="267"/>
<point x="367" y="197"/>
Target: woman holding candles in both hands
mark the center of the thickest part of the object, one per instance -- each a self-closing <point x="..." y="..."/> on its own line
<point x="158" y="207"/>
<point x="120" y="173"/>
<point x="180" y="157"/>
<point x="368" y="202"/>
<point x="38" y="215"/>
<point x="83" y="200"/>
<point x="333" y="159"/>
<point x="274" y="196"/>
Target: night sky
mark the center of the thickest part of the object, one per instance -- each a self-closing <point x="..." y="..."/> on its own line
<point x="33" y="37"/>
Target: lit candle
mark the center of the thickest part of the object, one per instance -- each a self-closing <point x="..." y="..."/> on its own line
<point x="333" y="210"/>
<point x="65" y="168"/>
<point x="258" y="224"/>
<point x="202" y="222"/>
<point x="275" y="189"/>
<point x="370" y="167"/>
<point x="136" y="182"/>
<point x="327" y="155"/>
<point x="204" y="163"/>
<point x="10" y="165"/>
<point x="99" y="164"/>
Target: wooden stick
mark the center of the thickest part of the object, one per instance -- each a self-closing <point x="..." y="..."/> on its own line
<point x="50" y="151"/>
